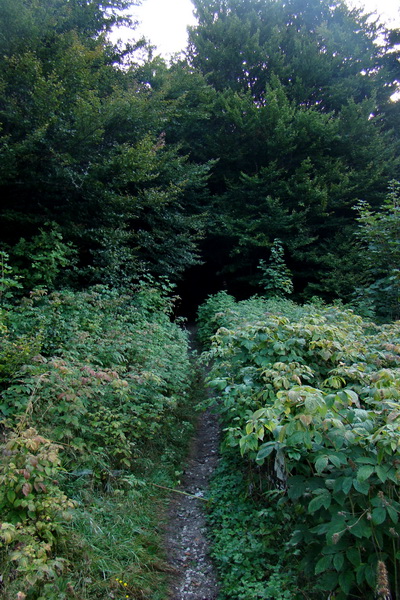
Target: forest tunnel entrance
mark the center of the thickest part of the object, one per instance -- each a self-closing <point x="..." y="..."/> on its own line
<point x="199" y="282"/>
<point x="204" y="280"/>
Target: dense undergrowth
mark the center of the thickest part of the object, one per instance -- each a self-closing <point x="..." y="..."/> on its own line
<point x="96" y="414"/>
<point x="306" y="500"/>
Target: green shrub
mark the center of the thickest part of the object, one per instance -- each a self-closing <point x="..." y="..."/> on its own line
<point x="312" y="395"/>
<point x="33" y="511"/>
<point x="248" y="540"/>
<point x="210" y="315"/>
<point x="379" y="235"/>
<point x="104" y="376"/>
<point x="45" y="259"/>
<point x="276" y="278"/>
<point x="108" y="379"/>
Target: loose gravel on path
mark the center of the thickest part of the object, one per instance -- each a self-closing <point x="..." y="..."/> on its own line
<point x="186" y="541"/>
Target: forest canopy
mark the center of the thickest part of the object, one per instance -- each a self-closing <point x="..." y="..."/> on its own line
<point x="274" y="125"/>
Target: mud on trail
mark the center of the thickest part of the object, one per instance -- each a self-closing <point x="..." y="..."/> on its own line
<point x="186" y="542"/>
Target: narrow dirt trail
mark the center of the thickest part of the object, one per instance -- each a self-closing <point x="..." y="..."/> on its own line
<point x="186" y="541"/>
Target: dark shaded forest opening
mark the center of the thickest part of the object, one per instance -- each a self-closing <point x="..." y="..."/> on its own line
<point x="199" y="282"/>
<point x="218" y="272"/>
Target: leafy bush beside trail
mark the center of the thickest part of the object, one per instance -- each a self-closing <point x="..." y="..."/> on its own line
<point x="310" y="397"/>
<point x="248" y="535"/>
<point x="94" y="403"/>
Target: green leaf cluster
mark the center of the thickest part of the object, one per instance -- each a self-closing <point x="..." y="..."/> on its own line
<point x="104" y="376"/>
<point x="276" y="277"/>
<point x="34" y="509"/>
<point x="311" y="395"/>
<point x="246" y="539"/>
<point x="379" y="233"/>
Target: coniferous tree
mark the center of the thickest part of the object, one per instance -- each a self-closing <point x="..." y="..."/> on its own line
<point x="300" y="128"/>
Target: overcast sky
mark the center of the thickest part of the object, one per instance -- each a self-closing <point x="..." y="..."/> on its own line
<point x="164" y="22"/>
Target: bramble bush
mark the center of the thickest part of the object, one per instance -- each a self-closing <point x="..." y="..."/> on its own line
<point x="94" y="389"/>
<point x="310" y="396"/>
<point x="210" y="313"/>
<point x="105" y="377"/>
<point x="34" y="510"/>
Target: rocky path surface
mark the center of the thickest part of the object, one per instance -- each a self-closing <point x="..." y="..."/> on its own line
<point x="187" y="545"/>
